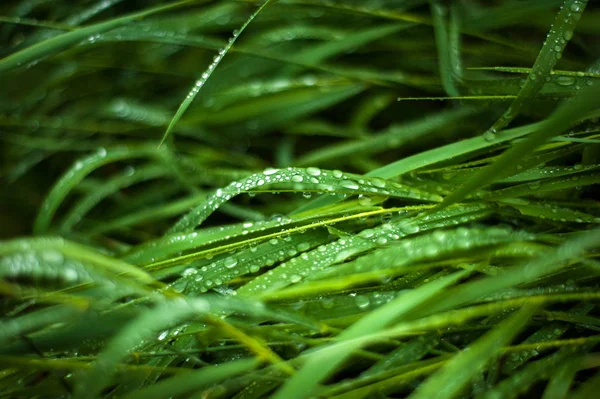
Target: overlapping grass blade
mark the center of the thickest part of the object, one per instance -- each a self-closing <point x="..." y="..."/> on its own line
<point x="58" y="43"/>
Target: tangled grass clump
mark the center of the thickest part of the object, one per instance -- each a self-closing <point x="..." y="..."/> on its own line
<point x="299" y="199"/>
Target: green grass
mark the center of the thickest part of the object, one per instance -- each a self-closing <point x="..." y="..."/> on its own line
<point x="299" y="199"/>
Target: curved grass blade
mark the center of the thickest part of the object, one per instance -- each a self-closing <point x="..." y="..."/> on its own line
<point x="69" y="39"/>
<point x="79" y="210"/>
<point x="76" y="174"/>
<point x="58" y="247"/>
<point x="560" y="33"/>
<point x="46" y="268"/>
<point x="302" y="179"/>
<point x="200" y="82"/>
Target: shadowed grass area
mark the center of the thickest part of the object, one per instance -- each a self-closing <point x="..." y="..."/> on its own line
<point x="299" y="199"/>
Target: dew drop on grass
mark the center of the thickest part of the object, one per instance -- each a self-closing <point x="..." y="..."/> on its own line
<point x="367" y="233"/>
<point x="230" y="262"/>
<point x="313" y="171"/>
<point x="378" y="182"/>
<point x="349" y="184"/>
<point x="568" y="35"/>
<point x="365" y="200"/>
<point x="189" y="271"/>
<point x="381" y="241"/>
<point x="565" y="80"/>
<point x="303" y="246"/>
<point x="489" y="135"/>
<point x="253" y="268"/>
<point x="362" y="302"/>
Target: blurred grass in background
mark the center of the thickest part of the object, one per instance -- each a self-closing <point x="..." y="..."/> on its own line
<point x="349" y="195"/>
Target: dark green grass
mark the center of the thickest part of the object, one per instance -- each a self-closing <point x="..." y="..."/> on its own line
<point x="297" y="199"/>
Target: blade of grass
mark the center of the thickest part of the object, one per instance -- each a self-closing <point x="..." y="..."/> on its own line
<point x="207" y="74"/>
<point x="66" y="40"/>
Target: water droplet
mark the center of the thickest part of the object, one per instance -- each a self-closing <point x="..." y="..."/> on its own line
<point x="189" y="271"/>
<point x="337" y="173"/>
<point x="270" y="171"/>
<point x="253" y="268"/>
<point x="381" y="241"/>
<point x="489" y="135"/>
<point x="307" y="194"/>
<point x="565" y="80"/>
<point x="408" y="228"/>
<point x="386" y="217"/>
<point x="230" y="262"/>
<point x="294" y="278"/>
<point x="303" y="246"/>
<point x="365" y="200"/>
<point x="313" y="171"/>
<point x="297" y="178"/>
<point x="351" y="184"/>
<point x="367" y="233"/>
<point x="378" y="182"/>
<point x="362" y="302"/>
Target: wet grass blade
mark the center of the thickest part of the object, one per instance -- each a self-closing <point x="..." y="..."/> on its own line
<point x="451" y="378"/>
<point x="560" y="33"/>
<point x="207" y="74"/>
<point x="66" y="40"/>
<point x="560" y="120"/>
